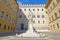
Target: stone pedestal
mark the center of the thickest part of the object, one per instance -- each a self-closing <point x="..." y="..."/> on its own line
<point x="29" y="33"/>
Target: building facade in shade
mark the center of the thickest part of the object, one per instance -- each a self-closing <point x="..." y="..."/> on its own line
<point x="53" y="12"/>
<point x="39" y="17"/>
<point x="8" y="15"/>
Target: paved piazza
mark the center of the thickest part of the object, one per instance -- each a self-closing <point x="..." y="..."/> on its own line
<point x="43" y="36"/>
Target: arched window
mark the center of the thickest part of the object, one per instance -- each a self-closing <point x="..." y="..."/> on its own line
<point x="57" y="25"/>
<point x="38" y="21"/>
<point x="4" y="27"/>
<point x="0" y="25"/>
<point x="22" y="26"/>
<point x="24" y="9"/>
<point x="33" y="9"/>
<point x="37" y="9"/>
<point x="42" y="9"/>
<point x="54" y="26"/>
<point x="43" y="21"/>
<point x="2" y="14"/>
<point x="8" y="27"/>
<point x="43" y="16"/>
<point x="59" y="12"/>
<point x="56" y="15"/>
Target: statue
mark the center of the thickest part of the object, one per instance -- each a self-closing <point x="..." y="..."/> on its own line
<point x="30" y="32"/>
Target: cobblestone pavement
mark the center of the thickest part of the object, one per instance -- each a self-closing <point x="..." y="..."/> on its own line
<point x="43" y="36"/>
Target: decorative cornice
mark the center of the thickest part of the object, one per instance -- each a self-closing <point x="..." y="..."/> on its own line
<point x="32" y="5"/>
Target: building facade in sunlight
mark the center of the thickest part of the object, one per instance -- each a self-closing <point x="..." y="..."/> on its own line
<point x="53" y="11"/>
<point x="38" y="17"/>
<point x="8" y="15"/>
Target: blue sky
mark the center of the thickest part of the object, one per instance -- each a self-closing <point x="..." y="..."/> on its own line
<point x="33" y="2"/>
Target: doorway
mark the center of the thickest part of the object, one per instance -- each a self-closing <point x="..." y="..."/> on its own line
<point x="22" y="26"/>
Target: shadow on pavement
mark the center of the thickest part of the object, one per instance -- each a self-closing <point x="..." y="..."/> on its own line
<point x="8" y="34"/>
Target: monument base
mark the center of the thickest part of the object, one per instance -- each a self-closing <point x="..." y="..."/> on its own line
<point x="29" y="33"/>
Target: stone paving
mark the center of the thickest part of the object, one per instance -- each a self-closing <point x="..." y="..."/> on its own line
<point x="48" y="36"/>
